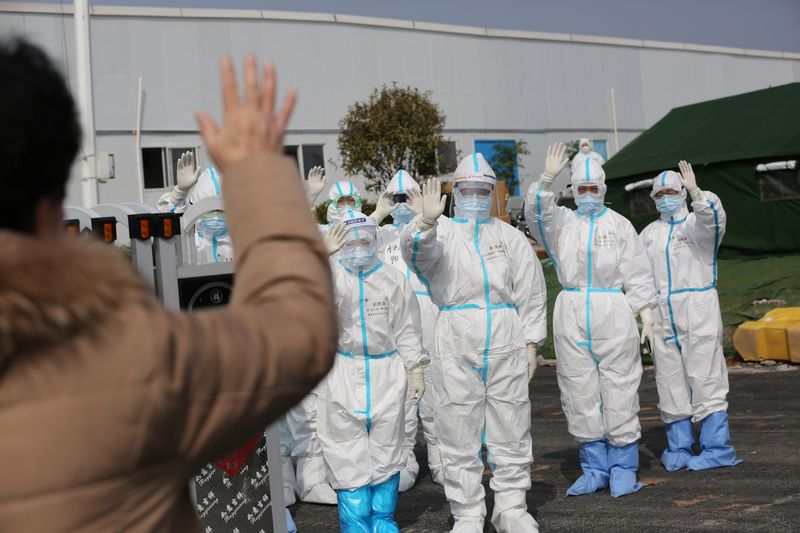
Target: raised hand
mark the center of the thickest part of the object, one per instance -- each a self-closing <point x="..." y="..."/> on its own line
<point x="250" y="126"/>
<point x="316" y="181"/>
<point x="688" y="179"/>
<point x="433" y="201"/>
<point x="334" y="239"/>
<point x="554" y="162"/>
<point x="186" y="174"/>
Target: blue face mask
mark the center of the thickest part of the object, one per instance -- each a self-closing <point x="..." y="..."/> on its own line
<point x="669" y="204"/>
<point x="402" y="214"/>
<point x="588" y="204"/>
<point x="473" y="207"/>
<point x="212" y="225"/>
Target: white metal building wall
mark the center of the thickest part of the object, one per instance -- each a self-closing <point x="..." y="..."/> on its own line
<point x="490" y="84"/>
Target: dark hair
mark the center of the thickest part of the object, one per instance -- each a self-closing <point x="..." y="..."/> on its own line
<point x="39" y="133"/>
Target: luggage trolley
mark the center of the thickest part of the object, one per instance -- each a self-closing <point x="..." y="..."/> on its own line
<point x="247" y="489"/>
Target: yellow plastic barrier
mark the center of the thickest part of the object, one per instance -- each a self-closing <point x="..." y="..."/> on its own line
<point x="770" y="337"/>
<point x="793" y="336"/>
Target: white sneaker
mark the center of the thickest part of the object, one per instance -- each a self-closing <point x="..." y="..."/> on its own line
<point x="321" y="493"/>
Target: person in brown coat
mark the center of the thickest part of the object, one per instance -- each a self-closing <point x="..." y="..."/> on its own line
<point x="109" y="402"/>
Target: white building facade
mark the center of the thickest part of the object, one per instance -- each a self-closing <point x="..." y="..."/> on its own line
<point x="492" y="85"/>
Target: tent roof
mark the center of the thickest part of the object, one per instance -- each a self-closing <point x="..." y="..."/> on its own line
<point x="752" y="125"/>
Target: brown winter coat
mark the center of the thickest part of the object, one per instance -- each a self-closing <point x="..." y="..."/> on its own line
<point x="108" y="402"/>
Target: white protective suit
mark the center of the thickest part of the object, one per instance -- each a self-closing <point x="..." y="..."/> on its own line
<point x="301" y="420"/>
<point x="586" y="149"/>
<point x="213" y="243"/>
<point x="690" y="368"/>
<point x="389" y="253"/>
<point x="491" y="294"/>
<point x="362" y="405"/>
<point x="606" y="277"/>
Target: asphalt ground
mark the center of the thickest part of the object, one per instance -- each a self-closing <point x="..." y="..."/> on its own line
<point x="761" y="494"/>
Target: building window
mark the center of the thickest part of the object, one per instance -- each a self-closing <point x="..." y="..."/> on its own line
<point x="447" y="157"/>
<point x="599" y="146"/>
<point x="778" y="181"/>
<point x="307" y="156"/>
<point x="641" y="203"/>
<point x="159" y="166"/>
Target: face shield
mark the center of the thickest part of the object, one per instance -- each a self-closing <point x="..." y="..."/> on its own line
<point x="473" y="199"/>
<point x="589" y="198"/>
<point x="358" y="253"/>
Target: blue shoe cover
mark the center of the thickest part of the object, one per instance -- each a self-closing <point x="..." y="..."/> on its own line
<point x="680" y="440"/>
<point x="594" y="463"/>
<point x="290" y="526"/>
<point x="384" y="504"/>
<point x="715" y="444"/>
<point x="624" y="463"/>
<point x="354" y="509"/>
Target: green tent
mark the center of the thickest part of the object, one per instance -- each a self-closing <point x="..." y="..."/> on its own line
<point x="745" y="148"/>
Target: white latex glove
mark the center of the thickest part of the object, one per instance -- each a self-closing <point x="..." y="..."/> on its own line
<point x="383" y="208"/>
<point x="186" y="176"/>
<point x="646" y="315"/>
<point x="689" y="182"/>
<point x="432" y="204"/>
<point x="416" y="383"/>
<point x="316" y="182"/>
<point x="554" y="163"/>
<point x="334" y="239"/>
<point x="532" y="349"/>
<point x="414" y="202"/>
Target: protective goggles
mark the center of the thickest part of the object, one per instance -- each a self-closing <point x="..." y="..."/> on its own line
<point x="399" y="198"/>
<point x="474" y="189"/>
<point x="665" y="192"/>
<point x="347" y="201"/>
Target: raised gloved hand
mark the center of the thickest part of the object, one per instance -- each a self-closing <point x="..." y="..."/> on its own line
<point x="383" y="208"/>
<point x="532" y="350"/>
<point x="689" y="182"/>
<point x="334" y="239"/>
<point x="315" y="182"/>
<point x="646" y="315"/>
<point x="416" y="382"/>
<point x="432" y="204"/>
<point x="186" y="176"/>
<point x="554" y="163"/>
<point x="414" y="202"/>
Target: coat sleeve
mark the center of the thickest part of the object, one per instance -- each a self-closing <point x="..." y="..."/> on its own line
<point x="529" y="288"/>
<point x="637" y="276"/>
<point x="406" y="324"/>
<point x="545" y="219"/>
<point x="233" y="371"/>
<point x="422" y="250"/>
<point x="709" y="222"/>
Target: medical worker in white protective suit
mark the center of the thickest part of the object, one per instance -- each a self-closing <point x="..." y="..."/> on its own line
<point x="212" y="241"/>
<point x="690" y="368"/>
<point x="606" y="280"/>
<point x="586" y="149"/>
<point x="362" y="404"/>
<point x="300" y="439"/>
<point x="489" y="286"/>
<point x="401" y="200"/>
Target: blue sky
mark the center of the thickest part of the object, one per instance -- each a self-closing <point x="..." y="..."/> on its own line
<point x="758" y="24"/>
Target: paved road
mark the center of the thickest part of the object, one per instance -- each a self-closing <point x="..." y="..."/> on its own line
<point x="761" y="494"/>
